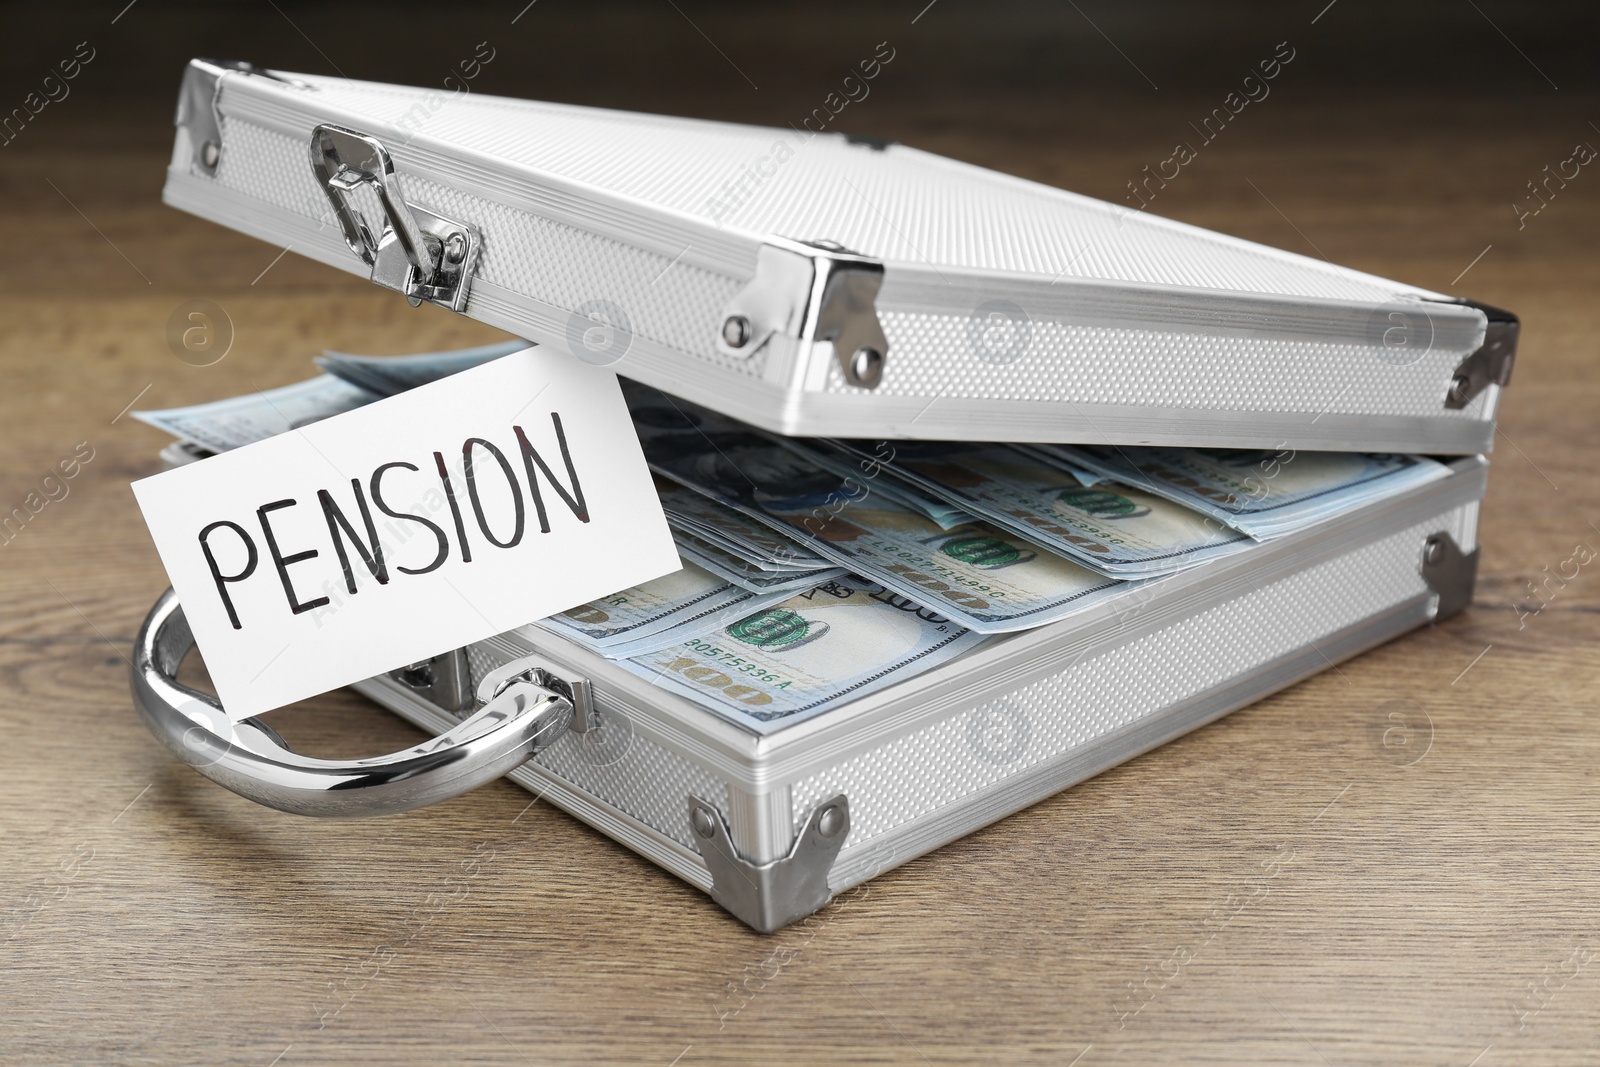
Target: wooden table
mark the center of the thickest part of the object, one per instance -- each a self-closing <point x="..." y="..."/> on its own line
<point x="1395" y="862"/>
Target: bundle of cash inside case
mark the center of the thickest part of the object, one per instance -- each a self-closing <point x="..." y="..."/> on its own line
<point x="815" y="571"/>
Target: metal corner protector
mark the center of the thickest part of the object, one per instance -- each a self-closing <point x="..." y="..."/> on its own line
<point x="1491" y="363"/>
<point x="1450" y="573"/>
<point x="198" y="111"/>
<point x="770" y="896"/>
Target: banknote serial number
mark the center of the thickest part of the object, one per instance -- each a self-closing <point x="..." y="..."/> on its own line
<point x="729" y="662"/>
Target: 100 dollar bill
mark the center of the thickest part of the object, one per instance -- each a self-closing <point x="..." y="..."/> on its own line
<point x="1109" y="527"/>
<point x="795" y="660"/>
<point x="1264" y="492"/>
<point x="222" y="425"/>
<point x="742" y="572"/>
<point x="875" y="476"/>
<point x="983" y="578"/>
<point x="631" y="621"/>
<point x="389" y="375"/>
<point x="734" y="531"/>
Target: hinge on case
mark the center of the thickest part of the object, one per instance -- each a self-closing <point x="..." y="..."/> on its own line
<point x="1491" y="363"/>
<point x="197" y="106"/>
<point x="1450" y="573"/>
<point x="811" y="291"/>
<point x="417" y="252"/>
<point x="768" y="896"/>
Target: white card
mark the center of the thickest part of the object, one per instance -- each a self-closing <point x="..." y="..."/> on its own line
<point x="265" y="543"/>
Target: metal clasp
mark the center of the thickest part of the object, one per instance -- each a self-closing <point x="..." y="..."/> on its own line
<point x="418" y="252"/>
<point x="444" y="681"/>
<point x="811" y="291"/>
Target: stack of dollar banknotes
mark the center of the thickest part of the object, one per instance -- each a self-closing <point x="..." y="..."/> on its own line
<point x="815" y="571"/>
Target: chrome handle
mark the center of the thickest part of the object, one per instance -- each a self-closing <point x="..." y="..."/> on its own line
<point x="250" y="758"/>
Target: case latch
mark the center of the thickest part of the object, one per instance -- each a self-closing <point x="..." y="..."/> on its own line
<point x="444" y="681"/>
<point x="1450" y="573"/>
<point x="417" y="252"/>
<point x="811" y="291"/>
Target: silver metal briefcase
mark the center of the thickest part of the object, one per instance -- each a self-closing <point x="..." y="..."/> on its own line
<point x="863" y="290"/>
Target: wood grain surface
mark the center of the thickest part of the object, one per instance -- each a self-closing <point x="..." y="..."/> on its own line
<point x="1309" y="881"/>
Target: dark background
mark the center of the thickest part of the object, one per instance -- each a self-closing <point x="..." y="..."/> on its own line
<point x="627" y="54"/>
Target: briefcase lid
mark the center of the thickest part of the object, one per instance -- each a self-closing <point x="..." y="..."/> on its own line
<point x="815" y="283"/>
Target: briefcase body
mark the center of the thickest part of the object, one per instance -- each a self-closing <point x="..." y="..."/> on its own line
<point x="934" y="758"/>
<point x="870" y="290"/>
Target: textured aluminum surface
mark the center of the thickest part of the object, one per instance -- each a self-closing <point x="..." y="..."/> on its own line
<point x="1112" y="325"/>
<point x="635" y="780"/>
<point x="1004" y="733"/>
<point x="898" y="204"/>
<point x="967" y="753"/>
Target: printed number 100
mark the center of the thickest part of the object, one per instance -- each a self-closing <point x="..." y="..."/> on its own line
<point x="696" y="671"/>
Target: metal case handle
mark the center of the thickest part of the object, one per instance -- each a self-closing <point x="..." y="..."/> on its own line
<point x="249" y="757"/>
